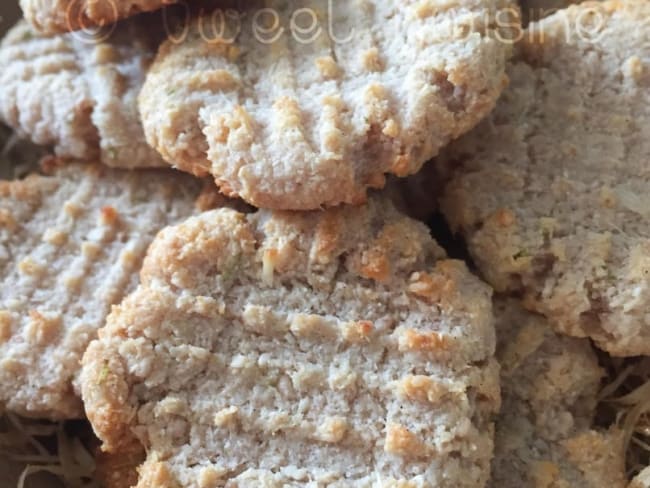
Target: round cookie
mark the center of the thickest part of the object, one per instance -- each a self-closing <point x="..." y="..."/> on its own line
<point x="292" y="118"/>
<point x="59" y="16"/>
<point x="71" y="246"/>
<point x="334" y="348"/>
<point x="551" y="190"/>
<point x="545" y="435"/>
<point x="79" y="94"/>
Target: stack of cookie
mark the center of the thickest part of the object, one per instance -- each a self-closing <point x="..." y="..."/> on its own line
<point x="219" y="262"/>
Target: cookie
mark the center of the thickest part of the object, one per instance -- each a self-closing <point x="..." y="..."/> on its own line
<point x="71" y="246"/>
<point x="336" y="348"/>
<point x="79" y="94"/>
<point x="550" y="384"/>
<point x="550" y="191"/>
<point x="60" y="16"/>
<point x="297" y="119"/>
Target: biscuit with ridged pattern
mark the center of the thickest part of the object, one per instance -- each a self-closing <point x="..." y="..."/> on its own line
<point x="335" y="347"/>
<point x="290" y="122"/>
<point x="77" y="93"/>
<point x="71" y="246"/>
<point x="60" y="16"/>
<point x="545" y="435"/>
<point x="551" y="191"/>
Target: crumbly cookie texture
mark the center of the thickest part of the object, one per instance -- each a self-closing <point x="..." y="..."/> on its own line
<point x="71" y="246"/>
<point x="336" y="348"/>
<point x="550" y="383"/>
<point x="297" y="119"/>
<point x="79" y="93"/>
<point x="551" y="191"/>
<point x="60" y="16"/>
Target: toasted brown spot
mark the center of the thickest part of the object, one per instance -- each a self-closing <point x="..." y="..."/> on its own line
<point x="234" y="129"/>
<point x="633" y="68"/>
<point x="109" y="216"/>
<point x="41" y="329"/>
<point x="11" y="365"/>
<point x="334" y="101"/>
<point x="328" y="67"/>
<point x="90" y="250"/>
<point x="431" y="287"/>
<point x="72" y="209"/>
<point x="392" y="129"/>
<point x="401" y="166"/>
<point x="421" y="388"/>
<point x="428" y="8"/>
<point x="218" y="80"/>
<point x="357" y="332"/>
<point x="73" y="282"/>
<point x="7" y="220"/>
<point x="211" y="477"/>
<point x="375" y="265"/>
<point x="105" y="53"/>
<point x="155" y="475"/>
<point x="30" y="267"/>
<point x="289" y="115"/>
<point x="504" y="217"/>
<point x="607" y="197"/>
<point x="55" y="237"/>
<point x="371" y="60"/>
<point x="263" y="320"/>
<point x="333" y="430"/>
<point x="376" y="100"/>
<point x="226" y="417"/>
<point x="401" y="441"/>
<point x="326" y="239"/>
<point x="545" y="474"/>
<point x="269" y="262"/>
<point x="128" y="258"/>
<point x="411" y="340"/>
<point x="312" y="326"/>
<point x="6" y="326"/>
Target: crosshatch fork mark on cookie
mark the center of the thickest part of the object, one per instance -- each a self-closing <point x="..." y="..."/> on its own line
<point x="298" y="125"/>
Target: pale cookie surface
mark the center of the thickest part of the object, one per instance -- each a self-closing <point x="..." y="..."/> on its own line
<point x="78" y="93"/>
<point x="550" y="383"/>
<point x="292" y="118"/>
<point x="71" y="246"/>
<point x="552" y="190"/>
<point x="59" y="16"/>
<point x="336" y="348"/>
